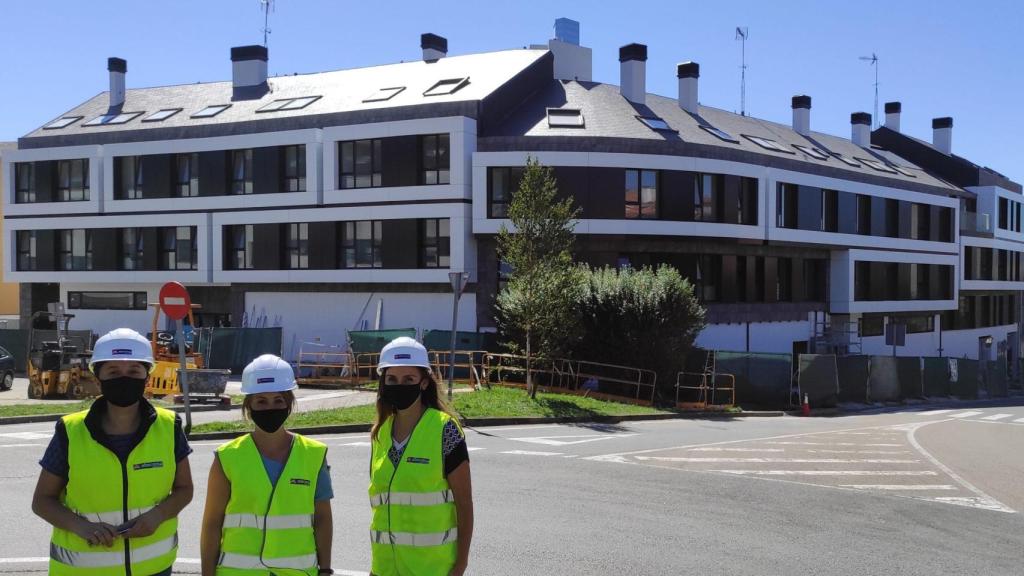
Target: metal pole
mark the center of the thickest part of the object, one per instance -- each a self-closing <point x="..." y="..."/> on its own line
<point x="183" y="376"/>
<point x="451" y="358"/>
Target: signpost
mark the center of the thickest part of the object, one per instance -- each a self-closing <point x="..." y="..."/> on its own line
<point x="176" y="304"/>
<point x="895" y="335"/>
<point x="458" y="280"/>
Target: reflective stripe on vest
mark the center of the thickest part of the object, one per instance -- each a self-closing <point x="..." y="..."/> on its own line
<point x="414" y="539"/>
<point x="247" y="562"/>
<point x="269" y="526"/>
<point x="113" y="518"/>
<point x="111" y="559"/>
<point x="412" y="498"/>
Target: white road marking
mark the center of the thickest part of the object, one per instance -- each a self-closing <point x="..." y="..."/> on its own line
<point x="26" y="435"/>
<point x="474" y="448"/>
<point x="900" y="487"/>
<point x="829" y="472"/>
<point x="45" y="559"/>
<point x="325" y="395"/>
<point x="982" y="502"/>
<point x="717" y="449"/>
<point x="354" y="444"/>
<point x="779" y="460"/>
<point x="832" y="444"/>
<point x="997" y="416"/>
<point x="557" y="440"/>
<point x="934" y="412"/>
<point x="967" y="414"/>
<point x="532" y="453"/>
<point x="1019" y="420"/>
<point x="19" y="445"/>
<point x="888" y="452"/>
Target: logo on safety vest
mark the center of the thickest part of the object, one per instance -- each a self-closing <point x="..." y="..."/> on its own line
<point x="268" y="380"/>
<point x="147" y="465"/>
<point x="121" y="352"/>
<point x="415" y="460"/>
<point x="300" y="481"/>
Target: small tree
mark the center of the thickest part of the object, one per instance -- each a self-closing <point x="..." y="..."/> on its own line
<point x="535" y="311"/>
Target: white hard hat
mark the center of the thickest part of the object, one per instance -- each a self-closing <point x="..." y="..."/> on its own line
<point x="403" y="351"/>
<point x="268" y="373"/>
<point x="122" y="344"/>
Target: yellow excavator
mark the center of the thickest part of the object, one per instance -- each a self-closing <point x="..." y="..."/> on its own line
<point x="58" y="362"/>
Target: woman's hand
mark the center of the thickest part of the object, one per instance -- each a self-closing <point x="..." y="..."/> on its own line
<point x="146" y="524"/>
<point x="95" y="533"/>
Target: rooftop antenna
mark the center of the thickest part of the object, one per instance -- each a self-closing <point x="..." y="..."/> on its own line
<point x="741" y="34"/>
<point x="873" y="59"/>
<point x="266" y="6"/>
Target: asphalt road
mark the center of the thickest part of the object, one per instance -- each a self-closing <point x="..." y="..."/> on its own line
<point x="914" y="492"/>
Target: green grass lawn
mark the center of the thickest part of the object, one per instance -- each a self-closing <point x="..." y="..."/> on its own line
<point x="497" y="402"/>
<point x="41" y="409"/>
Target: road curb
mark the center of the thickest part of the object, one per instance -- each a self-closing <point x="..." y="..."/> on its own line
<point x="518" y="421"/>
<point x="36" y="418"/>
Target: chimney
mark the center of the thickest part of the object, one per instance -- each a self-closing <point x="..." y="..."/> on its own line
<point x="942" y="135"/>
<point x="633" y="72"/>
<point x="117" y="67"/>
<point x="434" y="47"/>
<point x="860" y="124"/>
<point x="892" y="115"/>
<point x="688" y="73"/>
<point x="248" y="66"/>
<point x="572" y="61"/>
<point x="567" y="30"/>
<point x="802" y="115"/>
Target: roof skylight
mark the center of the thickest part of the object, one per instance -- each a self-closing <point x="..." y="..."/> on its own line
<point x="62" y="122"/>
<point x="655" y="124"/>
<point x="565" y="118"/>
<point x="384" y="94"/>
<point x="288" y="104"/>
<point x="768" y="144"/>
<point x="161" y="115"/>
<point x="812" y="152"/>
<point x="211" y="111"/>
<point x="846" y="160"/>
<point x="718" y="133"/>
<point x="449" y="86"/>
<point x="877" y="165"/>
<point x="902" y="170"/>
<point x="107" y="119"/>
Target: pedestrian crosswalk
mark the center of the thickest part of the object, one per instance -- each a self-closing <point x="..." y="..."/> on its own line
<point x="1002" y="415"/>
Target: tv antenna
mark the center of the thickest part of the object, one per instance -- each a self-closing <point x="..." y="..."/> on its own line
<point x="873" y="59"/>
<point x="742" y="32"/>
<point x="266" y="6"/>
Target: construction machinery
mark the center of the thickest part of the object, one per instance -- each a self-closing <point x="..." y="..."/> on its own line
<point x="58" y="362"/>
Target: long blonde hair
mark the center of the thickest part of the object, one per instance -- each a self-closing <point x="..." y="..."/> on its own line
<point x="431" y="398"/>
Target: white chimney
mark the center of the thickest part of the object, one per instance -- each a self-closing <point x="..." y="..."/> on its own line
<point x="434" y="47"/>
<point x="117" y="68"/>
<point x="802" y="115"/>
<point x="892" y="115"/>
<point x="942" y="134"/>
<point x="248" y="66"/>
<point x="688" y="73"/>
<point x="860" y="124"/>
<point x="633" y="72"/>
<point x="572" y="61"/>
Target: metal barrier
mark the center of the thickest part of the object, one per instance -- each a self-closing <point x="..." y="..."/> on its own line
<point x="706" y="391"/>
<point x="326" y="366"/>
<point x="638" y="378"/>
<point x="466" y="360"/>
<point x="575" y="376"/>
<point x="365" y="366"/>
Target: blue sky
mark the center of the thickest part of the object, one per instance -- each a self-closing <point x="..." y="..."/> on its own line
<point x="940" y="58"/>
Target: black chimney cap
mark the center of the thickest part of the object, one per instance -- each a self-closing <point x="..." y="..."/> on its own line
<point x="633" y="52"/>
<point x="945" y="122"/>
<point x="802" y="101"/>
<point x="434" y="41"/>
<point x="115" y="64"/>
<point x="254" y="52"/>
<point x="688" y="70"/>
<point x="860" y="118"/>
<point x="893" y="107"/>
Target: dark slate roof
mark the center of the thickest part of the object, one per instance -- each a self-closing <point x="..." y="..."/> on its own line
<point x="341" y="91"/>
<point x="610" y="117"/>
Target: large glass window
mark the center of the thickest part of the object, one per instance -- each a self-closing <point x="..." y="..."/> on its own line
<point x="130" y="177"/>
<point x="25" y="182"/>
<point x="294" y="173"/>
<point x="1004" y="213"/>
<point x="709" y="274"/>
<point x="178" y="248"/>
<point x="746" y="209"/>
<point x="502" y="182"/>
<point x="707" y="197"/>
<point x="786" y="205"/>
<point x="641" y="194"/>
<point x="241" y="237"/>
<point x="297" y="246"/>
<point x="435" y="159"/>
<point x="435" y="243"/>
<point x="360" y="164"/>
<point x="27" y="250"/>
<point x="863" y="215"/>
<point x="131" y="249"/>
<point x="241" y="171"/>
<point x="830" y="210"/>
<point x="75" y="249"/>
<point x="72" y="180"/>
<point x="186" y="175"/>
<point x="107" y="300"/>
<point x="361" y="244"/>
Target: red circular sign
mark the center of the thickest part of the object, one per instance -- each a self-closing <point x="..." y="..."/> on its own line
<point x="174" y="301"/>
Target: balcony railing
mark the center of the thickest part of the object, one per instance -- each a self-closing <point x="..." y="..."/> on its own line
<point x="976" y="222"/>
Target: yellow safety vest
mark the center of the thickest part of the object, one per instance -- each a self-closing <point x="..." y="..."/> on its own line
<point x="414" y="527"/>
<point x="269" y="528"/>
<point x="102" y="488"/>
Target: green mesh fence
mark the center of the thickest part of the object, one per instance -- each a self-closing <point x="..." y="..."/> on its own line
<point x="936" y="377"/>
<point x="16" y="342"/>
<point x="853" y="378"/>
<point x="819" y="379"/>
<point x="996" y="382"/>
<point x="883" y="379"/>
<point x="371" y="341"/>
<point x="966" y="385"/>
<point x="908" y="370"/>
<point x="761" y="379"/>
<point x="233" y="348"/>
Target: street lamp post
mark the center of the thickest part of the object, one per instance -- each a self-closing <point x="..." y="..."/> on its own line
<point x="458" y="281"/>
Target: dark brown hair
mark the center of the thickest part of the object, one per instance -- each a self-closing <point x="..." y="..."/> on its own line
<point x="289" y="399"/>
<point x="430" y="398"/>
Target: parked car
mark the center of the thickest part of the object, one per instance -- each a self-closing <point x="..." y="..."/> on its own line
<point x="6" y="369"/>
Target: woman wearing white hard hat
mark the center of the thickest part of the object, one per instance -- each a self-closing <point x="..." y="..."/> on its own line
<point x="268" y="501"/>
<point x="420" y="488"/>
<point x="115" y="476"/>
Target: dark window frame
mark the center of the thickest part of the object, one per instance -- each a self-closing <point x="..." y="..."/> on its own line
<point x="241" y="172"/>
<point x="349" y="255"/>
<point x="293" y="173"/>
<point x="435" y="159"/>
<point x="350" y="158"/>
<point x="67" y="246"/>
<point x="435" y="247"/>
<point x="131" y="178"/>
<point x="241" y="239"/>
<point x="28" y="257"/>
<point x="131" y="249"/>
<point x="498" y="208"/>
<point x="296" y="246"/>
<point x="24" y="182"/>
<point x="67" y="191"/>
<point x="186" y="175"/>
<point x="638" y="209"/>
<point x="170" y="250"/>
<point x="77" y="300"/>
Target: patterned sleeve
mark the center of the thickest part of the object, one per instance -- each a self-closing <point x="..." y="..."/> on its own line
<point x="453" y="447"/>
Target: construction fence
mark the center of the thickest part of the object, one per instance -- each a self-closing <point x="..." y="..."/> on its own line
<point x="16" y="343"/>
<point x="233" y="348"/>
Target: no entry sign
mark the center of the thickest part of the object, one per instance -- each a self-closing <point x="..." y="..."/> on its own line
<point x="174" y="301"/>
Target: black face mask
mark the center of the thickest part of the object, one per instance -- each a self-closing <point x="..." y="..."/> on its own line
<point x="124" y="390"/>
<point x="269" y="420"/>
<point x="401" y="396"/>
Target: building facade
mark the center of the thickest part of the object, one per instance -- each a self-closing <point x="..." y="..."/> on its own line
<point x="339" y="201"/>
